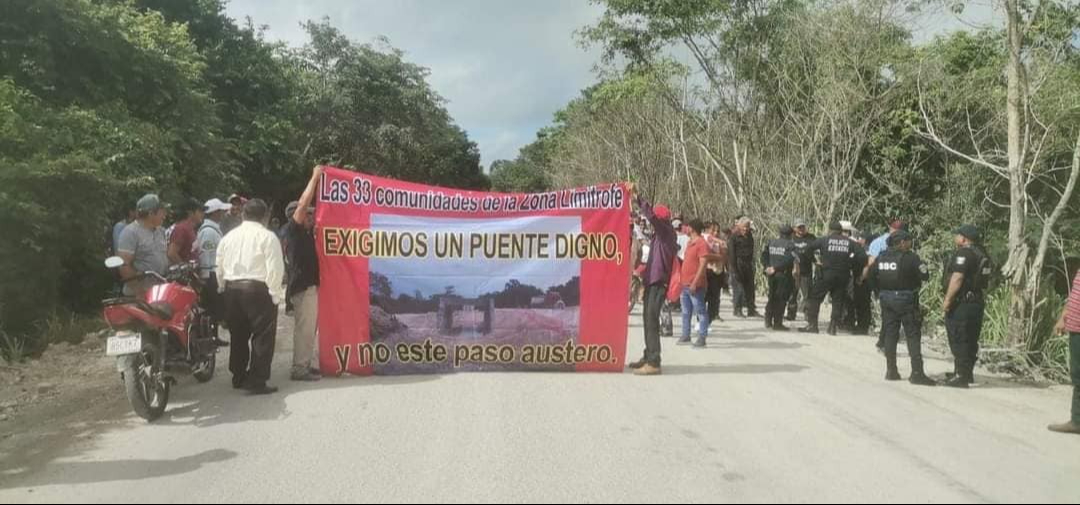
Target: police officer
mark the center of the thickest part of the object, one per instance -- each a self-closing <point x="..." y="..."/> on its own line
<point x="899" y="274"/>
<point x="967" y="275"/>
<point x="839" y="257"/>
<point x="862" y="294"/>
<point x="805" y="278"/>
<point x="780" y="259"/>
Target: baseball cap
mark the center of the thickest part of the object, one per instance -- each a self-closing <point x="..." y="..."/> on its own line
<point x="968" y="230"/>
<point x="290" y="209"/>
<point x="213" y="205"/>
<point x="236" y="196"/>
<point x="149" y="203"/>
<point x="662" y="212"/>
<point x="786" y="230"/>
<point x="836" y="226"/>
<point x="800" y="222"/>
<point x="901" y="236"/>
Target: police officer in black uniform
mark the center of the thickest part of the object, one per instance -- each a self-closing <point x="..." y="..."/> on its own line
<point x="839" y="257"/>
<point x="967" y="275"/>
<point x="780" y="259"/>
<point x="862" y="294"/>
<point x="899" y="274"/>
<point x="805" y="278"/>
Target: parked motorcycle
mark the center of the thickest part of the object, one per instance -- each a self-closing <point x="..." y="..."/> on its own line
<point x="167" y="331"/>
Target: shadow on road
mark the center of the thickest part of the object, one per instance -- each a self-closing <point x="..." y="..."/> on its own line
<point x="731" y="369"/>
<point x="779" y="346"/>
<point x="206" y="408"/>
<point x="90" y="472"/>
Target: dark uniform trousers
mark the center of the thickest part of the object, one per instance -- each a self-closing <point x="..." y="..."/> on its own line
<point x="863" y="306"/>
<point x="829" y="282"/>
<point x="901" y="308"/>
<point x="655" y="297"/>
<point x="252" y="316"/>
<point x="781" y="285"/>
<point x="964" y="326"/>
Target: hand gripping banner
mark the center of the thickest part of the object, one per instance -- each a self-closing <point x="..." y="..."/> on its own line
<point x="421" y="279"/>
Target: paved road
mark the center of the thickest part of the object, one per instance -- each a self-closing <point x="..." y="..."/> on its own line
<point x="757" y="417"/>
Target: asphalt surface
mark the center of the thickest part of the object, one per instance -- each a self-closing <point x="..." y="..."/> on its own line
<point x="756" y="417"/>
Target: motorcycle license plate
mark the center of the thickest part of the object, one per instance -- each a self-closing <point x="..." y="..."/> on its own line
<point x="123" y="344"/>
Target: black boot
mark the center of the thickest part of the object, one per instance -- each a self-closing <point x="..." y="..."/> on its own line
<point x="810" y="328"/>
<point x="768" y="323"/>
<point x="957" y="382"/>
<point x="891" y="371"/>
<point x="832" y="328"/>
<point x="920" y="379"/>
<point x="739" y="313"/>
<point x="637" y="364"/>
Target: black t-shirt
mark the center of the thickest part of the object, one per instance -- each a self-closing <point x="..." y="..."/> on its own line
<point x="303" y="260"/>
<point x="967" y="261"/>
<point x="806" y="261"/>
<point x="839" y="254"/>
<point x="896" y="270"/>
<point x="741" y="251"/>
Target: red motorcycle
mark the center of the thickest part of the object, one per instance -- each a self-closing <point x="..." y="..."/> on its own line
<point x="167" y="331"/>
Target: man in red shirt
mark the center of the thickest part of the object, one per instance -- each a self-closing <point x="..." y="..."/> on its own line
<point x="182" y="239"/>
<point x="694" y="284"/>
<point x="1070" y="323"/>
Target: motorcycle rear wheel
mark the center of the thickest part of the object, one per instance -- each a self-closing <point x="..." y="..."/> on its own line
<point x="147" y="390"/>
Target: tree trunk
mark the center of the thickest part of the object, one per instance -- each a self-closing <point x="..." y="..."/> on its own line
<point x="1017" y="267"/>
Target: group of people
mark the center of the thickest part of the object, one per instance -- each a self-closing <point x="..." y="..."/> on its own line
<point x="691" y="260"/>
<point x="247" y="271"/>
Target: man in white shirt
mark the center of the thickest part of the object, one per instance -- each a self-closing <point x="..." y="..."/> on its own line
<point x="250" y="268"/>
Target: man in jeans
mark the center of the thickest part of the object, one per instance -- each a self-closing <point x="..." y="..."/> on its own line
<point x="1070" y="323"/>
<point x="695" y="261"/>
<point x="303" y="286"/>
<point x="662" y="251"/>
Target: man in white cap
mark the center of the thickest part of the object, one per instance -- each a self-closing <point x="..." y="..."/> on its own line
<point x="206" y="245"/>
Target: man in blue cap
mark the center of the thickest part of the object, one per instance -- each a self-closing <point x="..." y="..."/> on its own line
<point x="967" y="276"/>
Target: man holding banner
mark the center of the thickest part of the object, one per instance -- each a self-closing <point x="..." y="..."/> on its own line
<point x="662" y="253"/>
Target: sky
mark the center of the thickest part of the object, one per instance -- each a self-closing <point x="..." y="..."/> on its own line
<point x="504" y="66"/>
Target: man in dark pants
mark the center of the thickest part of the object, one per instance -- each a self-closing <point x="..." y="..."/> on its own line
<point x="967" y="276"/>
<point x="862" y="295"/>
<point x="741" y="264"/>
<point x="662" y="251"/>
<point x="899" y="274"/>
<point x="839" y="256"/>
<point x="780" y="259"/>
<point x="251" y="269"/>
<point x="805" y="279"/>
<point x="1070" y="323"/>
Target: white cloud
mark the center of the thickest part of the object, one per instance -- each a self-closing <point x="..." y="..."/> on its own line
<point x="504" y="66"/>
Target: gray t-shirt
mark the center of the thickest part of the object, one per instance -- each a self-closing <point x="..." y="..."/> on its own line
<point x="150" y="252"/>
<point x="206" y="245"/>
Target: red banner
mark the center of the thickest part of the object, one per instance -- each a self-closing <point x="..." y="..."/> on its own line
<point x="421" y="279"/>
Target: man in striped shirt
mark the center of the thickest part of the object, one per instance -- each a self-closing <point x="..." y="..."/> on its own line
<point x="1070" y="323"/>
